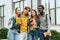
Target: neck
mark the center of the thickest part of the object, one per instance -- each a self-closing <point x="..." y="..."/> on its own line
<point x="33" y="16"/>
<point x="18" y="15"/>
<point x="41" y="13"/>
<point x="26" y="14"/>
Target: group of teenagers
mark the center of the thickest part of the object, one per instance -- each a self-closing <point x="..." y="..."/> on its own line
<point x="29" y="27"/>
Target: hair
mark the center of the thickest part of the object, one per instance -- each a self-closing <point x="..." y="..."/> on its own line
<point x="41" y="6"/>
<point x="35" y="15"/>
<point x="27" y="8"/>
<point x="15" y="11"/>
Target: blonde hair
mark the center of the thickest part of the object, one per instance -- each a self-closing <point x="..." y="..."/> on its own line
<point x="15" y="12"/>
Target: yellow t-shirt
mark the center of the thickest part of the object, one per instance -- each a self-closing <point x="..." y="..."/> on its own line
<point x="23" y="20"/>
<point x="18" y="20"/>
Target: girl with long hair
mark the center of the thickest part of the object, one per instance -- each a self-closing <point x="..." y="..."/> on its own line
<point x="13" y="33"/>
<point x="33" y="26"/>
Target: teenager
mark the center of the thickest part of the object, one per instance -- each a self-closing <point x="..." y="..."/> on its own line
<point x="24" y="26"/>
<point x="44" y="23"/>
<point x="33" y="26"/>
<point x="14" y="21"/>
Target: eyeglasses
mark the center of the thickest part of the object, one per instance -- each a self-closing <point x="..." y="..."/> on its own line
<point x="40" y="8"/>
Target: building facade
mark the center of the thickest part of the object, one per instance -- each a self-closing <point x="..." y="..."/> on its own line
<point x="7" y="7"/>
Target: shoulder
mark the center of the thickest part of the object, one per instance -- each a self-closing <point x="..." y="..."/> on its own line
<point x="48" y="17"/>
<point x="13" y="18"/>
<point x="22" y="15"/>
<point x="38" y="14"/>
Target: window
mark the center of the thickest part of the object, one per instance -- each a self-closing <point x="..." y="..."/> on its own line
<point x="54" y="8"/>
<point x="18" y="4"/>
<point x="52" y="3"/>
<point x="2" y="16"/>
<point x="27" y="3"/>
<point x="50" y="7"/>
<point x="15" y="4"/>
<point x="57" y="3"/>
<point x="58" y="15"/>
<point x="21" y="6"/>
<point x="34" y="4"/>
<point x="52" y="13"/>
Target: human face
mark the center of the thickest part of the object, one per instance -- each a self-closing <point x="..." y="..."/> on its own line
<point x="18" y="11"/>
<point x="33" y="13"/>
<point x="26" y="11"/>
<point x="40" y="9"/>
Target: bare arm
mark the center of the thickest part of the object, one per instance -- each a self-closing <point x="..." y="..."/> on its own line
<point x="9" y="21"/>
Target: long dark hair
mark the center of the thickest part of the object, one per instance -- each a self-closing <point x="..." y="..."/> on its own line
<point x="35" y="15"/>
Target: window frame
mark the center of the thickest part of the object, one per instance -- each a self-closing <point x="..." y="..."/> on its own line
<point x="2" y="17"/>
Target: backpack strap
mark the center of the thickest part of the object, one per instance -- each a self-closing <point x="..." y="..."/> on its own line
<point x="38" y="22"/>
<point x="46" y="21"/>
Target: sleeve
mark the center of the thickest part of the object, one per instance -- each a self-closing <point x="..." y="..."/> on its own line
<point x="38" y="23"/>
<point x="29" y="22"/>
<point x="13" y="19"/>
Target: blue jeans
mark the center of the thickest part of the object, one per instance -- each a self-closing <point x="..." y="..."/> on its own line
<point x="41" y="35"/>
<point x="13" y="34"/>
<point x="32" y="35"/>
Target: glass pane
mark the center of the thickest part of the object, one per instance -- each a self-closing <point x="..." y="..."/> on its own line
<point x="58" y="16"/>
<point x="52" y="3"/>
<point x="34" y="4"/>
<point x="27" y="3"/>
<point x="1" y="16"/>
<point x="17" y="4"/>
<point x="43" y="2"/>
<point x="58" y="3"/>
<point x="2" y="11"/>
<point x="52" y="13"/>
<point x="21" y="6"/>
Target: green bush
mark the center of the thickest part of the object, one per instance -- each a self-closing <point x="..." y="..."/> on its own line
<point x="55" y="35"/>
<point x="3" y="33"/>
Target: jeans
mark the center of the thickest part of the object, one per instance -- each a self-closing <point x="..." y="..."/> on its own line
<point x="32" y="35"/>
<point x="23" y="36"/>
<point x="13" y="34"/>
<point x="41" y="35"/>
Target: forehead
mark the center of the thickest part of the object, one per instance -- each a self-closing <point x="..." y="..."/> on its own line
<point x="40" y="7"/>
<point x="18" y="8"/>
<point x="33" y="11"/>
<point x="26" y="9"/>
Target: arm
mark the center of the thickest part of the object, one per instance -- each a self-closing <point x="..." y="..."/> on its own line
<point x="9" y="22"/>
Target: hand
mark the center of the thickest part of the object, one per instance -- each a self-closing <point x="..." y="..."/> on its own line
<point x="34" y="27"/>
<point x="9" y="22"/>
<point x="32" y="23"/>
<point x="47" y="34"/>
